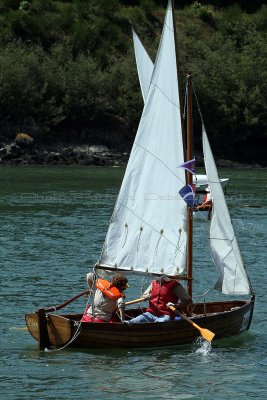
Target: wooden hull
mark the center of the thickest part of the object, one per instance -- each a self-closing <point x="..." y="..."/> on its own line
<point x="223" y="318"/>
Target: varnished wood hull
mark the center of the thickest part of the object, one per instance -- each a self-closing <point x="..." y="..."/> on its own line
<point x="223" y="318"/>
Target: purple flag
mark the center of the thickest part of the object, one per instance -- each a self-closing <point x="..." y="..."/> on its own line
<point x="189" y="166"/>
<point x="188" y="195"/>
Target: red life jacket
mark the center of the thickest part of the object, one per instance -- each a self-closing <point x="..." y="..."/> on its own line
<point x="162" y="293"/>
<point x="108" y="289"/>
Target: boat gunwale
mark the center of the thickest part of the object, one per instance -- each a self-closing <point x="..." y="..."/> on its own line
<point x="195" y="317"/>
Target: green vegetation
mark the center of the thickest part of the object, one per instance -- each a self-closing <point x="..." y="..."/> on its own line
<point x="67" y="68"/>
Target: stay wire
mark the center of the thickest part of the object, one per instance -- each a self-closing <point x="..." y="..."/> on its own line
<point x="77" y="332"/>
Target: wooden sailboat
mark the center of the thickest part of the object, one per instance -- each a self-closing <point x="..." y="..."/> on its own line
<point x="150" y="233"/>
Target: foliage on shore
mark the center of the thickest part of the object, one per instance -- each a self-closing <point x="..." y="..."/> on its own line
<point x="67" y="69"/>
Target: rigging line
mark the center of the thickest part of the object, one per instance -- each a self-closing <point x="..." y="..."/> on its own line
<point x="110" y="221"/>
<point x="169" y="100"/>
<point x="169" y="28"/>
<point x="153" y="229"/>
<point x="217" y="182"/>
<point x="202" y="216"/>
<point x="203" y="294"/>
<point x="153" y="155"/>
<point x="198" y="106"/>
<point x="196" y="300"/>
<point x="226" y="239"/>
<point x="185" y="102"/>
<point x="95" y="277"/>
<point x="77" y="332"/>
<point x="142" y="286"/>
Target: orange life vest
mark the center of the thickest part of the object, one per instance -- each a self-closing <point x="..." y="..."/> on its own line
<point x="108" y="289"/>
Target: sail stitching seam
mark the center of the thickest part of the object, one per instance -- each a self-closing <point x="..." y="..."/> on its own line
<point x="153" y="155"/>
<point x="169" y="100"/>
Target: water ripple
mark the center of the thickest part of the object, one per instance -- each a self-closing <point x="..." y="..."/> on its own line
<point x="53" y="223"/>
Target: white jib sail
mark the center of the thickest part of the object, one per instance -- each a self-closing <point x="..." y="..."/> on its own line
<point x="232" y="277"/>
<point x="144" y="65"/>
<point x="148" y="230"/>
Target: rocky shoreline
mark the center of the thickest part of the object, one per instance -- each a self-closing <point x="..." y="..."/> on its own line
<point x="83" y="154"/>
<point x="94" y="155"/>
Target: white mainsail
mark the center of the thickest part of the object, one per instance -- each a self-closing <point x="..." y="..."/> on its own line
<point x="144" y="65"/>
<point x="145" y="70"/>
<point x="232" y="277"/>
<point x="148" y="230"/>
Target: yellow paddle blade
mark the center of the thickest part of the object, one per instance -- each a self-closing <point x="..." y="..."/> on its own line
<point x="205" y="333"/>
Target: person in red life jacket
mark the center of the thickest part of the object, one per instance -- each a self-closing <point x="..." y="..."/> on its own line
<point x="160" y="292"/>
<point x="207" y="201"/>
<point x="108" y="298"/>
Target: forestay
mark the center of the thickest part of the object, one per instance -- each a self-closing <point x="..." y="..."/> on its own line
<point x="144" y="65"/>
<point x="223" y="242"/>
<point x="148" y="229"/>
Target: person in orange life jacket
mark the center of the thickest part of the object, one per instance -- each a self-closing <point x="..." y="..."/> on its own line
<point x="207" y="201"/>
<point x="160" y="292"/>
<point x="108" y="297"/>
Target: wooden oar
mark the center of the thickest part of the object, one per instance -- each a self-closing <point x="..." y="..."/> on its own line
<point x="135" y="301"/>
<point x="43" y="340"/>
<point x="56" y="308"/>
<point x="205" y="333"/>
<point x="24" y="328"/>
<point x="252" y="205"/>
<point x="53" y="309"/>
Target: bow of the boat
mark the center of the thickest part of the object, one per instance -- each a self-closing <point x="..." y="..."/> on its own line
<point x="225" y="318"/>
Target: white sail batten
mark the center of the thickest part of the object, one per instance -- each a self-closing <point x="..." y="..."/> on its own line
<point x="148" y="230"/>
<point x="232" y="277"/>
<point x="144" y="64"/>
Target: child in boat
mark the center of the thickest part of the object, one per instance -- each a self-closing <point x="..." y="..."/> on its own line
<point x="108" y="298"/>
<point x="160" y="292"/>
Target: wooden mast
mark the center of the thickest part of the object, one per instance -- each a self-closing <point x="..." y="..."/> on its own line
<point x="189" y="180"/>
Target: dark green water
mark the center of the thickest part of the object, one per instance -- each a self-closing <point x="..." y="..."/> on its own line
<point x="53" y="223"/>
